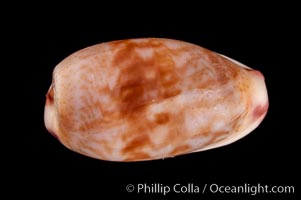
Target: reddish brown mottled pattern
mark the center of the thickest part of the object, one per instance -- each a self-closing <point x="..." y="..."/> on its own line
<point x="134" y="88"/>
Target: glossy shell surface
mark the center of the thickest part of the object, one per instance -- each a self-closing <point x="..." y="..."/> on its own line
<point x="145" y="99"/>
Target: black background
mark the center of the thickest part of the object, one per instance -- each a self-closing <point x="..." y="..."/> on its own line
<point x="268" y="155"/>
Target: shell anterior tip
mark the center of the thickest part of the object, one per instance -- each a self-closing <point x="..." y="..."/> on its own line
<point x="260" y="110"/>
